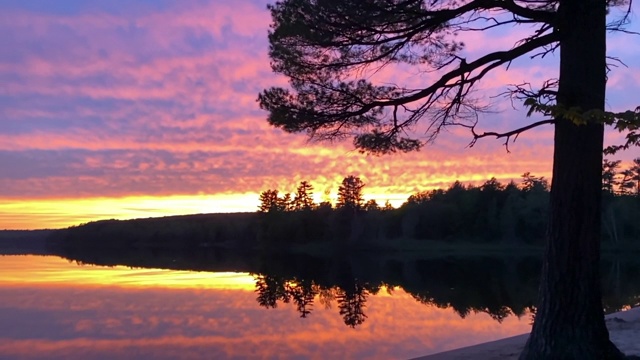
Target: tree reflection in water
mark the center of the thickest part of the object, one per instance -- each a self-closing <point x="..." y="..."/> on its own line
<point x="351" y="300"/>
<point x="497" y="286"/>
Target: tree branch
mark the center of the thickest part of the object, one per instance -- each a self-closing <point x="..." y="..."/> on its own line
<point x="537" y="15"/>
<point x="493" y="60"/>
<point x="515" y="133"/>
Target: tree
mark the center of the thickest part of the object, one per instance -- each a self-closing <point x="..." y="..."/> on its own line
<point x="533" y="183"/>
<point x="285" y="203"/>
<point x="371" y="205"/>
<point x="351" y="302"/>
<point x="350" y="193"/>
<point x="268" y="201"/>
<point x="627" y="183"/>
<point x="271" y="202"/>
<point x="635" y="168"/>
<point x="609" y="173"/>
<point x="387" y="206"/>
<point x="492" y="185"/>
<point x="330" y="51"/>
<point x="303" y="199"/>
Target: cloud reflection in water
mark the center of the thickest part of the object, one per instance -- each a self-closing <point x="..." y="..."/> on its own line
<point x="168" y="321"/>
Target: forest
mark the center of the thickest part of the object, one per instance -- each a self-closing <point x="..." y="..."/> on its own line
<point x="491" y="212"/>
<point x="495" y="215"/>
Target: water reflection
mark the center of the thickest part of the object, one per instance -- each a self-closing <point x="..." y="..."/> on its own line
<point x="351" y="300"/>
<point x="56" y="271"/>
<point x="498" y="286"/>
<point x="393" y="306"/>
<point x="127" y="320"/>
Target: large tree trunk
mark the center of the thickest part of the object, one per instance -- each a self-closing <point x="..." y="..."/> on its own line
<point x="569" y="322"/>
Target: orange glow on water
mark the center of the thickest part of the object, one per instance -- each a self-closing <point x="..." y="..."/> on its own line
<point x="57" y="309"/>
<point x="55" y="271"/>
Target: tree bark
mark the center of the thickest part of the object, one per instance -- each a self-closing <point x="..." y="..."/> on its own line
<point x="569" y="323"/>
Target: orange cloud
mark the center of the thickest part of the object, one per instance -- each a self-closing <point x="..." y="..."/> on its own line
<point x="161" y="102"/>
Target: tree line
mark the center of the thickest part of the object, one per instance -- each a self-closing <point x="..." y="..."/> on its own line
<point x="621" y="181"/>
<point x="350" y="193"/>
<point x="350" y="196"/>
<point x="491" y="212"/>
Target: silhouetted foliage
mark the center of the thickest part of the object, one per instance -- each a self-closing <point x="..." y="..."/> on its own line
<point x="269" y="201"/>
<point x="351" y="302"/>
<point x="303" y="199"/>
<point x="609" y="172"/>
<point x="350" y="194"/>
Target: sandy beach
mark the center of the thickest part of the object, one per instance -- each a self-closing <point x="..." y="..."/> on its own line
<point x="624" y="329"/>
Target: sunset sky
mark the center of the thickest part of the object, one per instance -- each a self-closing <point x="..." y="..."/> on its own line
<point x="123" y="109"/>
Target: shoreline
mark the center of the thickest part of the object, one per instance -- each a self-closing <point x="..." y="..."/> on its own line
<point x="624" y="331"/>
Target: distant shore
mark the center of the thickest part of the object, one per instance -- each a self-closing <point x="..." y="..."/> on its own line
<point x="255" y="231"/>
<point x="27" y="242"/>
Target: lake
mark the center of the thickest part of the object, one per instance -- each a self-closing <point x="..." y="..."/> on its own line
<point x="55" y="308"/>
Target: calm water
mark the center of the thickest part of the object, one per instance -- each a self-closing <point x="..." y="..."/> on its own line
<point x="52" y="308"/>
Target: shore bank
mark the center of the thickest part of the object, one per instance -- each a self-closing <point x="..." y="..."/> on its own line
<point x="624" y="331"/>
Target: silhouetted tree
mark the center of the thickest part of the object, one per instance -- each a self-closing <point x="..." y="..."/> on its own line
<point x="326" y="296"/>
<point x="635" y="169"/>
<point x="627" y="184"/>
<point x="351" y="302"/>
<point x="271" y="289"/>
<point x="326" y="49"/>
<point x="534" y="183"/>
<point x="492" y="185"/>
<point x="609" y="172"/>
<point x="269" y="201"/>
<point x="420" y="197"/>
<point x="303" y="199"/>
<point x="324" y="206"/>
<point x="509" y="213"/>
<point x="285" y="203"/>
<point x="371" y="205"/>
<point x="303" y="293"/>
<point x="350" y="193"/>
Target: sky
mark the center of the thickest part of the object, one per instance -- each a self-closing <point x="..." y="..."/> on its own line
<point x="126" y="109"/>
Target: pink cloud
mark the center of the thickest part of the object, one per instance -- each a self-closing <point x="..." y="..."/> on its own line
<point x="162" y="102"/>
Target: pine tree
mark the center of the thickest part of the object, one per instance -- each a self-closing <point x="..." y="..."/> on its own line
<point x="329" y="49"/>
<point x="303" y="199"/>
<point x="350" y="193"/>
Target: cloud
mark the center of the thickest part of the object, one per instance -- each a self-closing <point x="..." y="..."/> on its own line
<point x="158" y="98"/>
